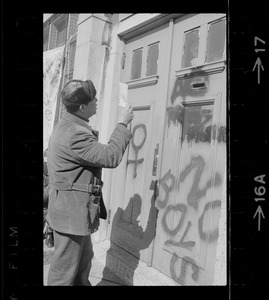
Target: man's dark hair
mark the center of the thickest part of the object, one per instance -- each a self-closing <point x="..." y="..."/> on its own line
<point x="77" y="92"/>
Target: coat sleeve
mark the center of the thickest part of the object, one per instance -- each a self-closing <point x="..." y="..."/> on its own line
<point x="90" y="152"/>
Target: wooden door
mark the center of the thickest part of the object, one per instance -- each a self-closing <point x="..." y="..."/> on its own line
<point x="194" y="151"/>
<point x="132" y="209"/>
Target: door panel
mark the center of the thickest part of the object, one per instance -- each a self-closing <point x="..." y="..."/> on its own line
<point x="133" y="211"/>
<point x="134" y="231"/>
<point x="190" y="196"/>
<point x="191" y="174"/>
<point x="192" y="159"/>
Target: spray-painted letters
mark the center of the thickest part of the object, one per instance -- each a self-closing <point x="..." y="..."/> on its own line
<point x="196" y="124"/>
<point x="168" y="183"/>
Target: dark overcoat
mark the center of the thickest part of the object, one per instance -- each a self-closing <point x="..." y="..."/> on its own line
<point x="75" y="159"/>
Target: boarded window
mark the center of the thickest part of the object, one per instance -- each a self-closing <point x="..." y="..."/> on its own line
<point x="191" y="47"/>
<point x="61" y="33"/>
<point x="58" y="32"/>
<point x="46" y="39"/>
<point x="53" y="37"/>
<point x="136" y="64"/>
<point x="215" y="41"/>
<point x="152" y="60"/>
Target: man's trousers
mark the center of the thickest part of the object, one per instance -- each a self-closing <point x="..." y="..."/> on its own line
<point x="71" y="262"/>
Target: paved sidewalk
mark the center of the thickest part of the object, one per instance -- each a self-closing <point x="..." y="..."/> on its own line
<point x="100" y="275"/>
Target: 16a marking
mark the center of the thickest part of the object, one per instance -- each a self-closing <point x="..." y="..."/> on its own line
<point x="259" y="191"/>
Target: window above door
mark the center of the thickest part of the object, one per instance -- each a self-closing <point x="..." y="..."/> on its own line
<point x="144" y="66"/>
<point x="145" y="61"/>
<point x="191" y="47"/>
<point x="136" y="64"/>
<point x="152" y="59"/>
<point x="204" y="44"/>
<point x="215" y="41"/>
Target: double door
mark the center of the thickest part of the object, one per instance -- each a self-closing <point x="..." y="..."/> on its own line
<point x="167" y="193"/>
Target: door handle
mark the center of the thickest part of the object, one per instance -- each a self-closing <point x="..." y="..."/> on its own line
<point x="155" y="160"/>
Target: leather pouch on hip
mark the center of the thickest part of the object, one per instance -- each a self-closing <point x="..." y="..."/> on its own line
<point x="94" y="208"/>
<point x="103" y="212"/>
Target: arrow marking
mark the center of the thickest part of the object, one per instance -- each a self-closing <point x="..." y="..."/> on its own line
<point x="259" y="212"/>
<point x="259" y="64"/>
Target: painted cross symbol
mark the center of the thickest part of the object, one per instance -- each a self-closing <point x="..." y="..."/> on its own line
<point x="137" y="147"/>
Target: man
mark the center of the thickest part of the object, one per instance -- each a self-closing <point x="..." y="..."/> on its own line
<point x="75" y="159"/>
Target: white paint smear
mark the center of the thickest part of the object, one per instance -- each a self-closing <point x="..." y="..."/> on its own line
<point x="123" y="95"/>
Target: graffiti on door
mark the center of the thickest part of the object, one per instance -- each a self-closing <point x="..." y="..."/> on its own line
<point x="196" y="124"/>
<point x="190" y="201"/>
<point x="185" y="261"/>
<point x="197" y="119"/>
<point x="197" y="193"/>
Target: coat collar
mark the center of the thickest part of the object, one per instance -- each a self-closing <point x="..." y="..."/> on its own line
<point x="72" y="118"/>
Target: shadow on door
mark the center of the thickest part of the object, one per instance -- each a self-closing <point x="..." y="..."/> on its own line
<point x="146" y="235"/>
